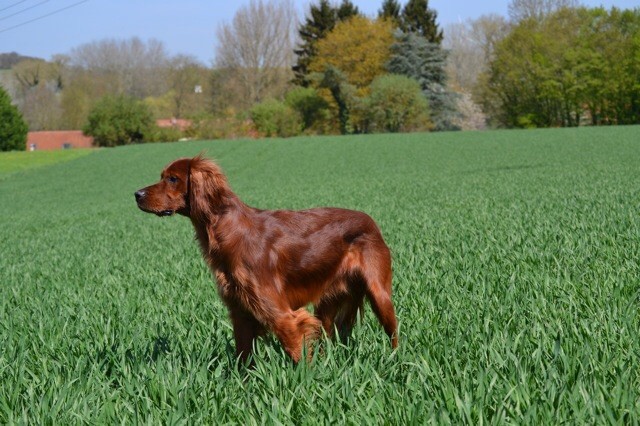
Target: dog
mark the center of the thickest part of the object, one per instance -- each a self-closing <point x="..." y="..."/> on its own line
<point x="270" y="264"/>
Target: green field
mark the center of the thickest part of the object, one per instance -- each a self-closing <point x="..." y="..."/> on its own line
<point x="17" y="161"/>
<point x="516" y="283"/>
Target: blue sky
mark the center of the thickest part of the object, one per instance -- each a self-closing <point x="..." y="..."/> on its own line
<point x="185" y="26"/>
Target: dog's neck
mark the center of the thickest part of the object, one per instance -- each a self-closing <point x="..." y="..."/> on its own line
<point x="212" y="231"/>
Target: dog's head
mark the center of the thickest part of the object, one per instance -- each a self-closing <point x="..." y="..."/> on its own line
<point x="193" y="187"/>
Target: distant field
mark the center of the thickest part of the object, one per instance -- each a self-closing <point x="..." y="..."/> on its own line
<point x="516" y="277"/>
<point x="14" y="161"/>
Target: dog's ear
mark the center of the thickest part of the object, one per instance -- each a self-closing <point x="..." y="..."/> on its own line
<point x="208" y="188"/>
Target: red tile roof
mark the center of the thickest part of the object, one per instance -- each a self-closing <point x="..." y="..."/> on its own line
<point x="58" y="139"/>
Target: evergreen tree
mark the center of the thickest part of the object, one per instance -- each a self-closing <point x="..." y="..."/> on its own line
<point x="390" y="10"/>
<point x="418" y="18"/>
<point x="320" y="21"/>
<point x="413" y="56"/>
<point x="346" y="10"/>
<point x="13" y="128"/>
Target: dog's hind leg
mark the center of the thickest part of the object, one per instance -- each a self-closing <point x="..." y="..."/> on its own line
<point x="350" y="308"/>
<point x="326" y="311"/>
<point x="340" y="312"/>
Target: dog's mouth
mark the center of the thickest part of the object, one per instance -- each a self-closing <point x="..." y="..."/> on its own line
<point x="161" y="213"/>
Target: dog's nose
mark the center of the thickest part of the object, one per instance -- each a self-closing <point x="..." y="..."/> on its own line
<point x="140" y="194"/>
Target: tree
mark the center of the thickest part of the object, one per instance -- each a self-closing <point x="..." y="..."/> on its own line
<point x="13" y="128"/>
<point x="519" y="10"/>
<point x="342" y="94"/>
<point x="346" y="10"/>
<point x="471" y="45"/>
<point x="608" y="65"/>
<point x="320" y="20"/>
<point x="257" y="49"/>
<point x="418" y="18"/>
<point x="309" y="104"/>
<point x="186" y="79"/>
<point x="568" y="67"/>
<point x="123" y="67"/>
<point x="8" y="60"/>
<point x="119" y="120"/>
<point x="466" y="58"/>
<point x="30" y="73"/>
<point x="40" y="107"/>
<point x="571" y="65"/>
<point x="275" y="118"/>
<point x="487" y="31"/>
<point x="83" y="89"/>
<point x="390" y="10"/>
<point x="38" y="95"/>
<point x="415" y="57"/>
<point x="397" y="104"/>
<point x="363" y="46"/>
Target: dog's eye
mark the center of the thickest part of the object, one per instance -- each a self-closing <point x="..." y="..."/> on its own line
<point x="172" y="179"/>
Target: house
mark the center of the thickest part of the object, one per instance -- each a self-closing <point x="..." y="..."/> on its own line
<point x="177" y="123"/>
<point x="58" y="139"/>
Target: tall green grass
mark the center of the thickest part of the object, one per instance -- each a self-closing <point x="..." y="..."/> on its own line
<point x="516" y="283"/>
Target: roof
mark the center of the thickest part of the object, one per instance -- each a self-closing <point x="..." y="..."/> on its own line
<point x="58" y="139"/>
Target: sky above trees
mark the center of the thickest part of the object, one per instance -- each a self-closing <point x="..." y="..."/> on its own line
<point x="187" y="27"/>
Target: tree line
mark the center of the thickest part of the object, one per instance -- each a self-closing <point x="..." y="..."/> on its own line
<point x="549" y="63"/>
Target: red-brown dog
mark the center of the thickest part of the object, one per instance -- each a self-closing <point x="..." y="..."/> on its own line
<point x="269" y="264"/>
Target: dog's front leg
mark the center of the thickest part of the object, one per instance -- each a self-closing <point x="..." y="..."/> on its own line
<point x="246" y="329"/>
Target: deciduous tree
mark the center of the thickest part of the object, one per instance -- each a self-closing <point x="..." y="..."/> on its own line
<point x="188" y="82"/>
<point x="119" y="120"/>
<point x="359" y="48"/>
<point x="571" y="65"/>
<point x="320" y="20"/>
<point x="129" y="67"/>
<point x="519" y="10"/>
<point x="257" y="49"/>
<point x="397" y="104"/>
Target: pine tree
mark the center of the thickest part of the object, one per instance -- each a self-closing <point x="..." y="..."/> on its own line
<point x="320" y="21"/>
<point x="390" y="10"/>
<point x="13" y="128"/>
<point x="413" y="56"/>
<point x="346" y="10"/>
<point x="418" y="18"/>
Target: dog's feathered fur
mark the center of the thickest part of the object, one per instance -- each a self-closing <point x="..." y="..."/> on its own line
<point x="269" y="264"/>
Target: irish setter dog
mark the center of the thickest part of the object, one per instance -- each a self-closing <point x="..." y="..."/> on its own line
<point x="270" y="264"/>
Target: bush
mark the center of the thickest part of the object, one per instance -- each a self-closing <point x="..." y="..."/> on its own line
<point x="164" y="134"/>
<point x="229" y="124"/>
<point x="13" y="128"/>
<point x="119" y="120"/>
<point x="397" y="104"/>
<point x="307" y="102"/>
<point x="274" y="118"/>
